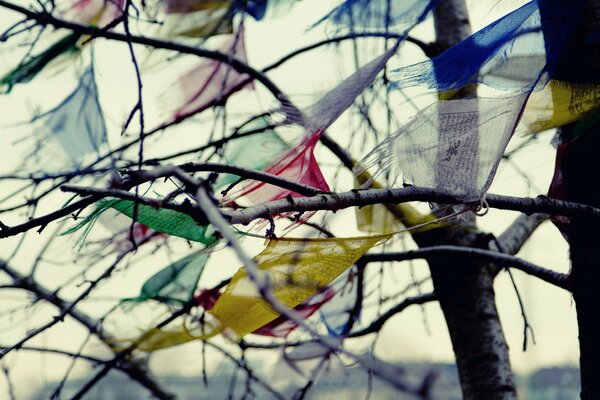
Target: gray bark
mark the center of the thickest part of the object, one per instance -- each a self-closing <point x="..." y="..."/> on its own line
<point x="464" y="288"/>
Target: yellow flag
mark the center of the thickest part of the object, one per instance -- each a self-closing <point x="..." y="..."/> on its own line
<point x="558" y="104"/>
<point x="156" y="339"/>
<point x="297" y="269"/>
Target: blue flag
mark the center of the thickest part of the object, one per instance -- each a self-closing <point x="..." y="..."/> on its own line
<point x="379" y="14"/>
<point x="512" y="53"/>
<point x="77" y="123"/>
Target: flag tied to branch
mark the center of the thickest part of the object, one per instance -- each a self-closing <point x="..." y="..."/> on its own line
<point x="512" y="53"/>
<point x="297" y="270"/>
<point x="457" y="145"/>
<point x="176" y="283"/>
<point x="162" y="220"/>
<point x="379" y="14"/>
<point x="281" y="326"/>
<point x="452" y="145"/>
<point x="299" y="164"/>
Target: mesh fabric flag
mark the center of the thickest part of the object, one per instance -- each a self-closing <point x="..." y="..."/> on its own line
<point x="77" y="123"/>
<point x="558" y="104"/>
<point x="162" y="220"/>
<point x="92" y="12"/>
<point x="209" y="81"/>
<point x="281" y="326"/>
<point x="379" y="14"/>
<point x="328" y="109"/>
<point x="512" y="53"/>
<point x="28" y="68"/>
<point x="297" y="269"/>
<point x="453" y="145"/>
<point x="298" y="164"/>
<point x="256" y="151"/>
<point x="176" y="283"/>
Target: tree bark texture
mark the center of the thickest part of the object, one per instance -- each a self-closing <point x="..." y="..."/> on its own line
<point x="576" y="177"/>
<point x="463" y="287"/>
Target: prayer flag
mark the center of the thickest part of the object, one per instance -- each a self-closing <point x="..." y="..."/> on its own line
<point x="512" y="53"/>
<point x="453" y="145"/>
<point x="176" y="283"/>
<point x="256" y="151"/>
<point x="210" y="80"/>
<point x="77" y="123"/>
<point x="163" y="220"/>
<point x="379" y="14"/>
<point x="297" y="269"/>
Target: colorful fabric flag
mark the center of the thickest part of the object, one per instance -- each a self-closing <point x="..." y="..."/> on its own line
<point x="375" y="218"/>
<point x="77" y="123"/>
<point x="298" y="165"/>
<point x="324" y="112"/>
<point x="176" y="283"/>
<point x="453" y="145"/>
<point x="297" y="269"/>
<point x="209" y="81"/>
<point x="30" y="67"/>
<point x="513" y="53"/>
<point x="379" y="14"/>
<point x="161" y="220"/>
<point x="92" y="12"/>
<point x="255" y="8"/>
<point x="211" y="21"/>
<point x="257" y="151"/>
<point x="281" y="326"/>
<point x="558" y="104"/>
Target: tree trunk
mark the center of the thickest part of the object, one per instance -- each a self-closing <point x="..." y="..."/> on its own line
<point x="464" y="288"/>
<point x="579" y="171"/>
